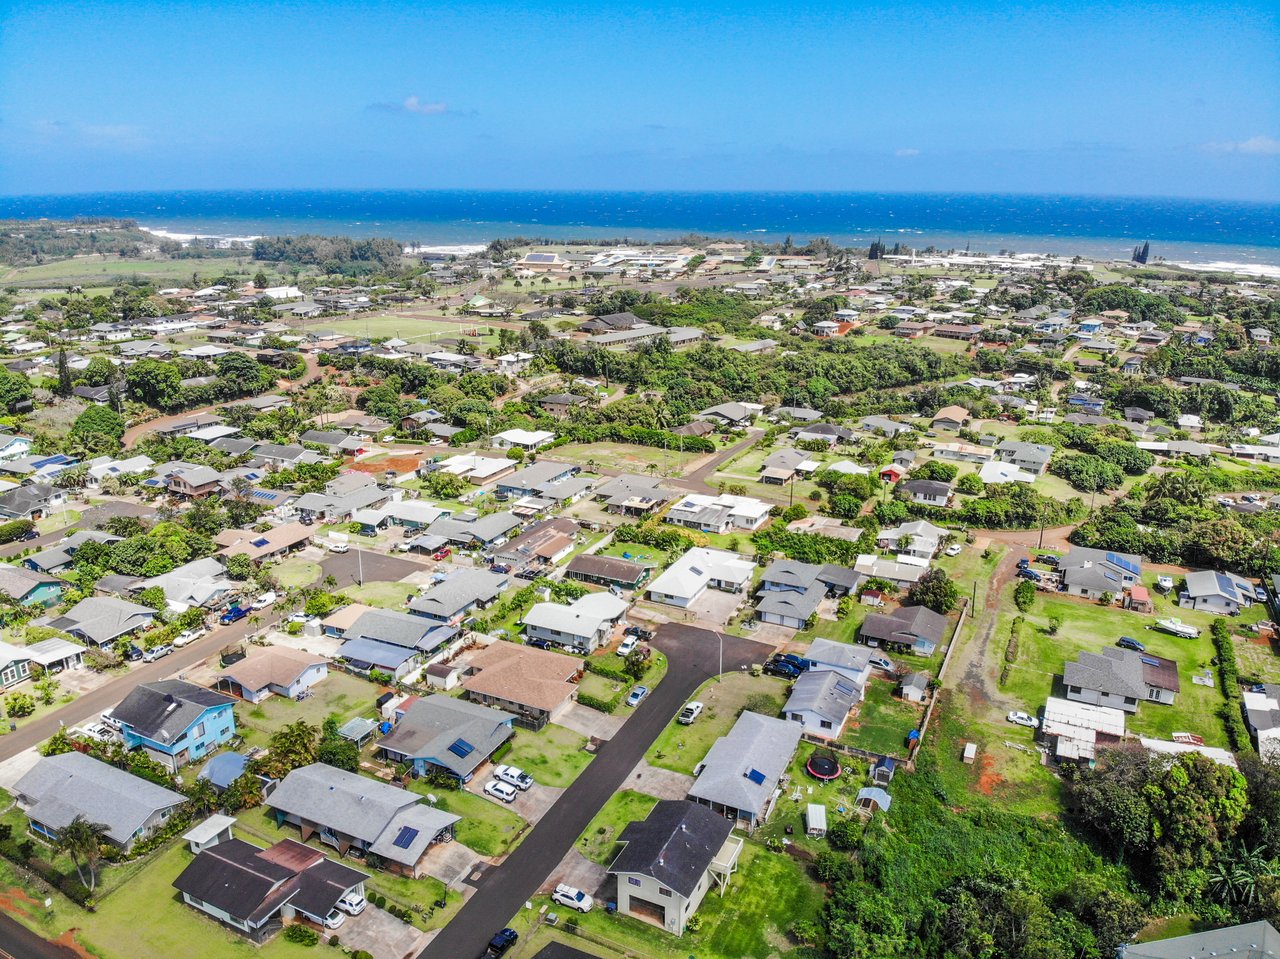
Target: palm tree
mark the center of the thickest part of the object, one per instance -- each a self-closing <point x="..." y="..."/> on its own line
<point x="1178" y="485"/>
<point x="82" y="841"/>
<point x="202" y="798"/>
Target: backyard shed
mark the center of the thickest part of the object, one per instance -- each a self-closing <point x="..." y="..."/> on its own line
<point x="815" y="820"/>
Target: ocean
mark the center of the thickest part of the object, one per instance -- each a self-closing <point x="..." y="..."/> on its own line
<point x="1199" y="232"/>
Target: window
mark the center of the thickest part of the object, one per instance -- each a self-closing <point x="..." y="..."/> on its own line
<point x="663" y="892"/>
<point x="198" y="731"/>
<point x="1130" y="701"/>
<point x="633" y="880"/>
<point x="825" y="724"/>
<point x="1074" y="690"/>
<point x="1153" y="693"/>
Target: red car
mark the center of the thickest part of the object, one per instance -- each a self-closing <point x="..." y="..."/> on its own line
<point x="443" y="553"/>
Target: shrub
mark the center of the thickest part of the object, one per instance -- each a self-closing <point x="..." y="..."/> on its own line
<point x="1024" y="595"/>
<point x="607" y="670"/>
<point x="302" y="935"/>
<point x="1229" y="679"/>
<point x="602" y="705"/>
<point x="844" y="834"/>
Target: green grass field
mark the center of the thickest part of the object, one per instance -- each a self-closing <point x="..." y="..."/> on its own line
<point x="413" y="329"/>
<point x="381" y="594"/>
<point x="338" y="694"/>
<point x="295" y="573"/>
<point x="92" y="270"/>
<point x="681" y="748"/>
<point x="599" y="839"/>
<point x="625" y="457"/>
<point x="553" y="756"/>
<point x="882" y="722"/>
<point x="487" y="827"/>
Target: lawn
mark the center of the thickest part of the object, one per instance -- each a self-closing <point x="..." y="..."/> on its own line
<point x="1256" y="659"/>
<point x="1089" y="626"/>
<point x="340" y="694"/>
<point x="489" y="828"/>
<point x="385" y="595"/>
<point x="645" y="460"/>
<point x="147" y="920"/>
<point x="79" y="271"/>
<point x="644" y="555"/>
<point x="294" y="573"/>
<point x="882" y="721"/>
<point x="598" y="840"/>
<point x="768" y="894"/>
<point x="681" y="748"/>
<point x="57" y="520"/>
<point x="411" y="329"/>
<point x="553" y="756"/>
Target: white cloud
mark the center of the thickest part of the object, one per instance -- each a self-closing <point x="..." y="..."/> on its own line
<point x="906" y="152"/>
<point x="412" y="104"/>
<point x="1254" y="146"/>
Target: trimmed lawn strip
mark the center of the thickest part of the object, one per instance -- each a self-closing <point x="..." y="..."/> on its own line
<point x="384" y="595"/>
<point x="553" y="756"/>
<point x="486" y="827"/>
<point x="599" y="839"/>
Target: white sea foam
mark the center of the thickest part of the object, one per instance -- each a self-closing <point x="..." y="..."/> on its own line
<point x="1269" y="270"/>
<point x="186" y="238"/>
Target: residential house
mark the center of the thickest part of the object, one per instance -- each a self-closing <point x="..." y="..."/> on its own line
<point x="33" y="502"/>
<point x="356" y="813"/>
<point x="718" y="514"/>
<point x="255" y="891"/>
<point x="1091" y="572"/>
<point x="276" y="543"/>
<point x="1214" y="592"/>
<point x="915" y="541"/>
<point x="15" y="665"/>
<point x="30" y="588"/>
<point x="542" y="544"/>
<point x="1121" y="678"/>
<point x="585" y="624"/>
<point x="951" y="418"/>
<point x="606" y="571"/>
<point x="559" y="405"/>
<point x="908" y="629"/>
<point x="903" y="573"/>
<point x="1252" y="940"/>
<point x="202" y="583"/>
<point x="927" y="492"/>
<point x="57" y="789"/>
<point x="1262" y="713"/>
<point x="472" y="467"/>
<point x="57" y="558"/>
<point x="471" y="530"/>
<point x="885" y="426"/>
<point x="387" y="640"/>
<point x="535" y="685"/>
<point x="527" y="440"/>
<point x="442" y="734"/>
<point x="700" y="567"/>
<point x="822" y="433"/>
<point x="632" y="495"/>
<point x="739" y="775"/>
<point x="532" y="479"/>
<point x="782" y="466"/>
<point x="797" y="414"/>
<point x="175" y="722"/>
<point x="100" y="620"/>
<point x="273" y="671"/>
<point x="670" y="860"/>
<point x="820" y="702"/>
<point x="1032" y="457"/>
<point x="464" y="590"/>
<point x="195" y="483"/>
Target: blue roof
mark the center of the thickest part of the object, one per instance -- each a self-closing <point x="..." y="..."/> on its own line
<point x="224" y="769"/>
<point x="382" y="655"/>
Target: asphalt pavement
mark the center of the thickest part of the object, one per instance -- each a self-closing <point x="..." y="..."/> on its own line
<point x="693" y="658"/>
<point x="368" y="566"/>
<point x="19" y="942"/>
<point x="92" y="703"/>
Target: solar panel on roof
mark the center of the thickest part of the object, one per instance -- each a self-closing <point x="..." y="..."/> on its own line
<point x="756" y="776"/>
<point x="1150" y="662"/>
<point x="1117" y="560"/>
<point x="844" y="688"/>
<point x="405" y="837"/>
<point x="461" y="748"/>
<point x="260" y="542"/>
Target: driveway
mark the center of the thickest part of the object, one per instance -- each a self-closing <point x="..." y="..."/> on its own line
<point x="451" y="862"/>
<point x="380" y="933"/>
<point x="591" y="722"/>
<point x="364" y="565"/>
<point x="693" y="656"/>
<point x="578" y="871"/>
<point x="658" y="783"/>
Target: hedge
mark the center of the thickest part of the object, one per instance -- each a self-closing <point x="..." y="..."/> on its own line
<point x="607" y="670"/>
<point x="602" y="705"/>
<point x="15" y="528"/>
<point x="1229" y="678"/>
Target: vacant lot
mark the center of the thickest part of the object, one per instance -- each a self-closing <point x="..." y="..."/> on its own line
<point x="627" y="458"/>
<point x="553" y="756"/>
<point x="599" y="839"/>
<point x="383" y="595"/>
<point x="681" y="748"/>
<point x="294" y="573"/>
<point x="1256" y="659"/>
<point x="92" y="270"/>
<point x="339" y="695"/>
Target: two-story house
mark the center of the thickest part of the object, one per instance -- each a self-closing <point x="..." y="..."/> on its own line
<point x="175" y="722"/>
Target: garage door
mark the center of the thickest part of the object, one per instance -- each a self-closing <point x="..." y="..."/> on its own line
<point x="648" y="911"/>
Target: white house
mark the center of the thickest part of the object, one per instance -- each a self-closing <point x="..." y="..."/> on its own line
<point x="916" y="540"/>
<point x="528" y="440"/>
<point x="584" y="624"/>
<point x="1214" y="592"/>
<point x="820" y="702"/>
<point x="686" y="579"/>
<point x="1121" y="678"/>
<point x="718" y="514"/>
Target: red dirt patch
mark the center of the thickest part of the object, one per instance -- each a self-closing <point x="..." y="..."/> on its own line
<point x="68" y="941"/>
<point x="13" y="899"/>
<point x="401" y="464"/>
<point x="988" y="780"/>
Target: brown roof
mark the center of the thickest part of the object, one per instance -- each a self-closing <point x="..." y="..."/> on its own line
<point x="278" y="665"/>
<point x="606" y="567"/>
<point x="256" y="545"/>
<point x="522" y="674"/>
<point x="343" y="619"/>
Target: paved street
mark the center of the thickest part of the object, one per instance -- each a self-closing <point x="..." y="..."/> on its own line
<point x="18" y="942"/>
<point x="92" y="703"/>
<point x="692" y="653"/>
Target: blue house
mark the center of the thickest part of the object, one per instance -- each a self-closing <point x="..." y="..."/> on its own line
<point x="175" y="722"/>
<point x="1086" y="403"/>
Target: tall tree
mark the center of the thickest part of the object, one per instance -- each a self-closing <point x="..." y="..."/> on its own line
<point x="82" y="841"/>
<point x="65" y="385"/>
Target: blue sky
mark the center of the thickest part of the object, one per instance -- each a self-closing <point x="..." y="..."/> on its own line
<point x="992" y="96"/>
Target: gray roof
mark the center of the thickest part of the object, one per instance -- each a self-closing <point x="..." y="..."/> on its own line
<point x="1118" y="674"/>
<point x="18" y="581"/>
<point x="103" y="618"/>
<point x="1027" y="452"/>
<point x="1253" y="940"/>
<point x="536" y="475"/>
<point x="799" y="413"/>
<point x="755" y="742"/>
<point x="790" y="572"/>
<point x="788" y="602"/>
<point x="435" y="725"/>
<point x="368" y="809"/>
<point x="164" y="710"/>
<point x="927" y="488"/>
<point x="59" y="788"/>
<point x="391" y="627"/>
<point x="629" y="486"/>
<point x="1207" y="582"/>
<point x="22" y="500"/>
<point x="484" y="529"/>
<point x="840" y="656"/>
<point x="675" y="845"/>
<point x="562" y="399"/>
<point x="827" y="692"/>
<point x="734" y="412"/>
<point x="905" y="625"/>
<point x="463" y="589"/>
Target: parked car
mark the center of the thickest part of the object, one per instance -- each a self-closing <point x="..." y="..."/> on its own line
<point x="352" y="903"/>
<point x="1023" y="719"/>
<point x="882" y="663"/>
<point x="1024" y="563"/>
<point x="500" y="790"/>
<point x="444" y="552"/>
<point x="502" y="942"/>
<point x="627" y="645"/>
<point x="188" y="636"/>
<point x="538" y="643"/>
<point x="156" y="652"/>
<point x="1128" y="642"/>
<point x="502" y="568"/>
<point x="528" y="574"/>
<point x="513" y="776"/>
<point x="690" y="712"/>
<point x="1028" y="573"/>
<point x="100" y="732"/>
<point x="299" y="617"/>
<point x="1047" y="559"/>
<point x="639" y="632"/>
<point x="28" y="536"/>
<point x="132" y="654"/>
<point x="110" y="720"/>
<point x="233" y="615"/>
<point x="637" y="695"/>
<point x="335" y="919"/>
<point x="1259" y="593"/>
<point x="339" y="547"/>
<point x="265" y="600"/>
<point x="780" y="667"/>
<point x="799" y="662"/>
<point x="572" y="897"/>
<point x="955" y="549"/>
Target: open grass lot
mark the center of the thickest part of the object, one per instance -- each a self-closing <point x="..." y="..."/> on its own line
<point x="57" y="520"/>
<point x="259" y="826"/>
<point x="553" y="756"/>
<point x="339" y="694"/>
<point x="625" y="457"/>
<point x="89" y="270"/>
<point x="489" y="828"/>
<point x="413" y="329"/>
<point x="295" y="573"/>
<point x="146" y="920"/>
<point x="382" y="594"/>
<point x="1088" y="626"/>
<point x="883" y="721"/>
<point x="598" y="841"/>
<point x="767" y="895"/>
<point x="1256" y="659"/>
<point x="681" y="748"/>
<point x="644" y="555"/>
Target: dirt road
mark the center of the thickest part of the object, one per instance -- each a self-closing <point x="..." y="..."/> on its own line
<point x="979" y="659"/>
